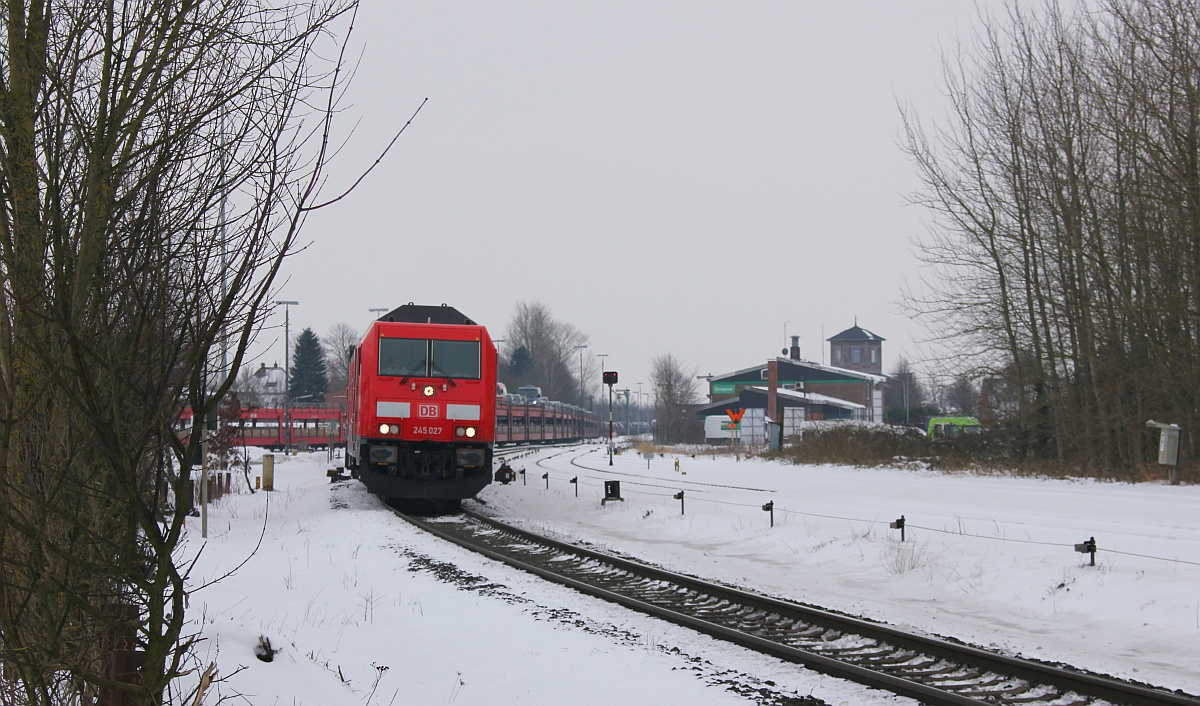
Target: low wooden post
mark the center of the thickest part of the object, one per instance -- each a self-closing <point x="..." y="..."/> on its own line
<point x="268" y="475"/>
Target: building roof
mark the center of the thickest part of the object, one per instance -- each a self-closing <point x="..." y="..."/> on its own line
<point x="754" y="370"/>
<point x="812" y="398"/>
<point x="855" y="333"/>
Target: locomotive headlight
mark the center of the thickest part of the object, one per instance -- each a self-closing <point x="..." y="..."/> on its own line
<point x="427" y="391"/>
<point x="395" y="428"/>
<point x="383" y="428"/>
<point x="459" y="431"/>
<point x="471" y="432"/>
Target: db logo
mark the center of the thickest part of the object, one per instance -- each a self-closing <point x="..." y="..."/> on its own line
<point x="427" y="410"/>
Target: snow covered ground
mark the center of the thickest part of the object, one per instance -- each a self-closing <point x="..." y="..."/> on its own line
<point x="366" y="610"/>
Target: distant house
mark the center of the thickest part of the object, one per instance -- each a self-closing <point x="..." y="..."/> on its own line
<point x="265" y="387"/>
<point x="798" y="390"/>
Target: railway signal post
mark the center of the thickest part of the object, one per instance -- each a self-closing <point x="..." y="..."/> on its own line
<point x="610" y="379"/>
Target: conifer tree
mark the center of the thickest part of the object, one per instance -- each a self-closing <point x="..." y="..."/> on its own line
<point x="309" y="380"/>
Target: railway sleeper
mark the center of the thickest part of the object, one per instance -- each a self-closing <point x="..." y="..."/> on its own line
<point x="964" y="676"/>
<point x="998" y="695"/>
<point x="996" y="685"/>
<point x="775" y="631"/>
<point x="941" y="667"/>
<point x="805" y="632"/>
<point x="568" y="562"/>
<point x="645" y="583"/>
<point x="869" y="658"/>
<point x="1045" y="697"/>
<point x="870" y="649"/>
<point x="825" y="648"/>
<point x="908" y="665"/>
<point x="775" y="635"/>
<point x="730" y="610"/>
<point x="705" y="602"/>
<point x="651" y="598"/>
<point x="610" y="582"/>
<point x="895" y="657"/>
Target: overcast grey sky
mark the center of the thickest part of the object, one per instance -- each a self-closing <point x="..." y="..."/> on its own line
<point x="669" y="177"/>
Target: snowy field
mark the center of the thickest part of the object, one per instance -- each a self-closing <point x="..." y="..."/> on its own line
<point x="366" y="610"/>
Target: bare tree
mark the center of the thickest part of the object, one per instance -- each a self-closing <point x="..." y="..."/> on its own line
<point x="962" y="396"/>
<point x="339" y="343"/>
<point x="906" y="395"/>
<point x="1065" y="258"/>
<point x="156" y="160"/>
<point x="551" y="347"/>
<point x="674" y="401"/>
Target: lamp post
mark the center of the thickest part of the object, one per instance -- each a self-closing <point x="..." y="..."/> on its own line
<point x="628" y="410"/>
<point x="287" y="373"/>
<point x="580" y="349"/>
<point x="640" y="406"/>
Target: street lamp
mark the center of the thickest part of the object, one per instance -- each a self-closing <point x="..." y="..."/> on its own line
<point x="639" y="414"/>
<point x="580" y="349"/>
<point x="287" y="374"/>
<point x="603" y="369"/>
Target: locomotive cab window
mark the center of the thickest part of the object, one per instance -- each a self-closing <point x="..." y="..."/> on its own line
<point x="456" y="359"/>
<point x="403" y="356"/>
<point x="420" y="357"/>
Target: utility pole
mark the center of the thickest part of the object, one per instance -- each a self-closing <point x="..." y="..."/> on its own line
<point x="641" y="406"/>
<point x="580" y="349"/>
<point x="603" y="369"/>
<point x="287" y="374"/>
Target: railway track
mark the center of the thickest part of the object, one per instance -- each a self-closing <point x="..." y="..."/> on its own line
<point x="930" y="670"/>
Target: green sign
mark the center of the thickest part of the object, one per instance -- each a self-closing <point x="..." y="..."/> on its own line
<point x="730" y="426"/>
<point x="724" y="388"/>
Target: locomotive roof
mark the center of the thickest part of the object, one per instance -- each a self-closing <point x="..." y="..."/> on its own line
<point x="426" y="314"/>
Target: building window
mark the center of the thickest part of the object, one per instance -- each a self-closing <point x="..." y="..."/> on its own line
<point x="856" y="355"/>
<point x="837" y="355"/>
<point x="874" y="355"/>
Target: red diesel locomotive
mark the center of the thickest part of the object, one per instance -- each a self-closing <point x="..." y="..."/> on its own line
<point x="421" y="415"/>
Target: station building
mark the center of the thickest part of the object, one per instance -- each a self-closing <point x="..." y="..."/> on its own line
<point x="790" y="391"/>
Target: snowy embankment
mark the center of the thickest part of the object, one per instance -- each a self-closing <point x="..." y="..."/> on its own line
<point x="365" y="610"/>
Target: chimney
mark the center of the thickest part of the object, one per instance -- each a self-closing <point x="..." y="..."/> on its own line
<point x="772" y="383"/>
<point x="795" y="354"/>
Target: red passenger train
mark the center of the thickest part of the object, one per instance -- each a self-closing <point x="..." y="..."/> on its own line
<point x="314" y="426"/>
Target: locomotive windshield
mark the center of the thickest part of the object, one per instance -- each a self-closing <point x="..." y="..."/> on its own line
<point x="420" y="357"/>
<point x="403" y="356"/>
<point x="456" y="359"/>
